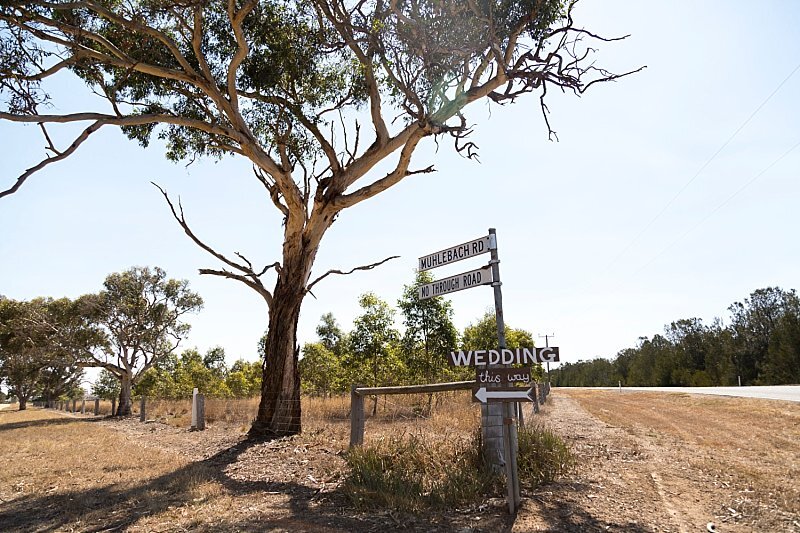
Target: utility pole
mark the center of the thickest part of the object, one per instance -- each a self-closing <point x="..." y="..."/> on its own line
<point x="547" y="345"/>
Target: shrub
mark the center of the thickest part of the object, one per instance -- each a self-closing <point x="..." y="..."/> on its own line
<point x="411" y="473"/>
<point x="543" y="457"/>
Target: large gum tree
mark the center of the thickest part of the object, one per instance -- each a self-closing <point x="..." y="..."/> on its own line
<point x="286" y="84"/>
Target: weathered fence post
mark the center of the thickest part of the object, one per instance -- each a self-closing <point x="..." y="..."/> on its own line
<point x="142" y="415"/>
<point x="356" y="417"/>
<point x="113" y="406"/>
<point x="198" y="411"/>
<point x="541" y="393"/>
<point x="96" y="406"/>
<point x="535" y="398"/>
<point x="83" y="406"/>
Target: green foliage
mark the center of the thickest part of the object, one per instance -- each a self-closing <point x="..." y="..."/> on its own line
<point x="177" y="377"/>
<point x="244" y="379"/>
<point x="782" y="363"/>
<point x="373" y="343"/>
<point x="761" y="345"/>
<point x="331" y="335"/>
<point x="40" y="342"/>
<point x="482" y="335"/>
<point x="429" y="334"/>
<point x="140" y="311"/>
<point x="376" y="354"/>
<point x="321" y="371"/>
<point x="106" y="385"/>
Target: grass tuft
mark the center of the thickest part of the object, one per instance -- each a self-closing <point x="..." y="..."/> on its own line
<point x="412" y="473"/>
<point x="543" y="457"/>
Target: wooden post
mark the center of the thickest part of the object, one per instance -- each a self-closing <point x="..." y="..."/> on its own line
<point x="201" y="412"/>
<point x="74" y="405"/>
<point x="198" y="411"/>
<point x="142" y="416"/>
<point x="96" y="406"/>
<point x="194" y="408"/>
<point x="83" y="406"/>
<point x="541" y="393"/>
<point x="113" y="406"/>
<point x="535" y="398"/>
<point x="356" y="417"/>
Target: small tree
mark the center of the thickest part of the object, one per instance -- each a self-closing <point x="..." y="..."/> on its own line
<point x="21" y="357"/>
<point x="482" y="335"/>
<point x="244" y="378"/>
<point x="371" y="342"/>
<point x="429" y="332"/>
<point x="321" y="370"/>
<point x="106" y="385"/>
<point x="140" y="311"/>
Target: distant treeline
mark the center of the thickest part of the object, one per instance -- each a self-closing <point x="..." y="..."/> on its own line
<point x="760" y="345"/>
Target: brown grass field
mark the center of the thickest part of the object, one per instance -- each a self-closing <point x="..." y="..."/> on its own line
<point x="646" y="462"/>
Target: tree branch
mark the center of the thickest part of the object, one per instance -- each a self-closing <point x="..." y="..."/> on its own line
<point x="365" y="267"/>
<point x="248" y="276"/>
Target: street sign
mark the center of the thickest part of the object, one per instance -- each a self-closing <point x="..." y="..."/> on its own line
<point x="503" y="376"/>
<point x="467" y="280"/>
<point x="454" y="253"/>
<point x="503" y="394"/>
<point x="504" y="356"/>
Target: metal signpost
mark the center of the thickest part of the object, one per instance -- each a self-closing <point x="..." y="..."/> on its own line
<point x="459" y="282"/>
<point x="454" y="253"/>
<point x="498" y="404"/>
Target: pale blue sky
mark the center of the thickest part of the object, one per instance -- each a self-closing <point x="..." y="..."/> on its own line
<point x="579" y="255"/>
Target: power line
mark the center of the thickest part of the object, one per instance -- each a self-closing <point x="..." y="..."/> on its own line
<point x="720" y="206"/>
<point x="702" y="168"/>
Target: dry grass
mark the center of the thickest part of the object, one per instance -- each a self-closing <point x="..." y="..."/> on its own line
<point x="451" y="411"/>
<point x="751" y="444"/>
<point x="56" y="466"/>
<point x="68" y="472"/>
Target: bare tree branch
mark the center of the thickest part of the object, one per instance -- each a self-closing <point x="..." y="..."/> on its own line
<point x="58" y="157"/>
<point x="248" y="276"/>
<point x="365" y="267"/>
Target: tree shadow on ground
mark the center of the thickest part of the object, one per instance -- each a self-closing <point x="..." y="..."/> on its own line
<point x="65" y="419"/>
<point x="113" y="507"/>
<point x="557" y="514"/>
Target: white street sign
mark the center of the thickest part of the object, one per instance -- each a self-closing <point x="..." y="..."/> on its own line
<point x="454" y="253"/>
<point x="467" y="280"/>
<point x="485" y="395"/>
<point x="504" y="356"/>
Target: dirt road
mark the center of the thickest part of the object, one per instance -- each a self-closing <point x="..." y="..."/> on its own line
<point x="671" y="462"/>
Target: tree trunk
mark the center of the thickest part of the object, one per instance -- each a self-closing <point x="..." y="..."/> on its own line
<point x="23" y="402"/>
<point x="279" y="409"/>
<point x="124" y="408"/>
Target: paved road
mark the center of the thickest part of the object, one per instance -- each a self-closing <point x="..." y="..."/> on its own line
<point x="790" y="393"/>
